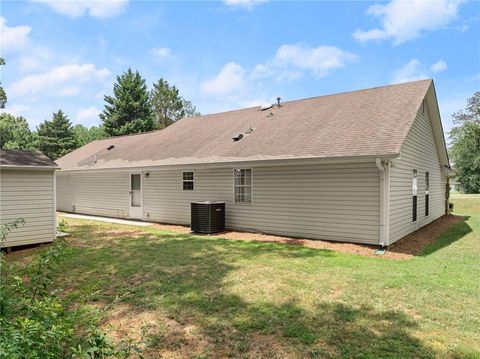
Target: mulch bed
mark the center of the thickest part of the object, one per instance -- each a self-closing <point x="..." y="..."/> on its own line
<point x="408" y="247"/>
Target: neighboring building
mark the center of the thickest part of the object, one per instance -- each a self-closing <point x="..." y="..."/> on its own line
<point x="454" y="185"/>
<point x="367" y="166"/>
<point x="27" y="190"/>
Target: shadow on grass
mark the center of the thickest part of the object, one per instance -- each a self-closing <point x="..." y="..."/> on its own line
<point x="185" y="277"/>
<point x="453" y="234"/>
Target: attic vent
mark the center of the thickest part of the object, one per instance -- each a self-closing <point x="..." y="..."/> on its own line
<point x="237" y="137"/>
<point x="266" y="106"/>
<point x="110" y="147"/>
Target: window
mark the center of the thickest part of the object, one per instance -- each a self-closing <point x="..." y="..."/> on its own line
<point x="242" y="185"/>
<point x="188" y="180"/>
<point x="427" y="190"/>
<point x="414" y="195"/>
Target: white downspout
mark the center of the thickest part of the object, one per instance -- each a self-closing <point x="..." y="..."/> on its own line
<point x="384" y="170"/>
<point x="378" y="162"/>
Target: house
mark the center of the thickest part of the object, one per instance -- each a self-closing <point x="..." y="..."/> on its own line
<point x="454" y="185"/>
<point x="27" y="191"/>
<point x="366" y="166"/>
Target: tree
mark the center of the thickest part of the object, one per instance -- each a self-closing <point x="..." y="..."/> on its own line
<point x="85" y="135"/>
<point x="15" y="133"/>
<point x="56" y="138"/>
<point x="465" y="145"/>
<point x="3" y="95"/>
<point x="128" y="110"/>
<point x="167" y="104"/>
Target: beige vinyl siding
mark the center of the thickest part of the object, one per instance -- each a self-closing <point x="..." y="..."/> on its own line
<point x="418" y="152"/>
<point x="28" y="194"/>
<point x="98" y="193"/>
<point x="335" y="202"/>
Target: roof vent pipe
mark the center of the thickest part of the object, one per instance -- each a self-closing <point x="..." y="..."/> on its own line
<point x="278" y="101"/>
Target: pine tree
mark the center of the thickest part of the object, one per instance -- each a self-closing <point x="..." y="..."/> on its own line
<point x="56" y="138"/>
<point x="128" y="110"/>
<point x="168" y="106"/>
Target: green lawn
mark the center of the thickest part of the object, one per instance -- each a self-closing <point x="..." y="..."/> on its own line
<point x="209" y="297"/>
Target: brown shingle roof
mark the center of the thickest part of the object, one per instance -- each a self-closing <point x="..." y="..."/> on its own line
<point x="22" y="158"/>
<point x="371" y="122"/>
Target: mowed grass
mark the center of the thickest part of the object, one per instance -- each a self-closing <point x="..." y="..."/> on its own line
<point x="208" y="297"/>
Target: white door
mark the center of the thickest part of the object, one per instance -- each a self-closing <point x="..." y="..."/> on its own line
<point x="136" y="210"/>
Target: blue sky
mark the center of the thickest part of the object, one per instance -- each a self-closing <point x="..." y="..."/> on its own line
<point x="231" y="54"/>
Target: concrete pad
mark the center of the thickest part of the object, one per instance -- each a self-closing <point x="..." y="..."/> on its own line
<point x="129" y="222"/>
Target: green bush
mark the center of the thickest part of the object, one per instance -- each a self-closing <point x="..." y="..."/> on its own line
<point x="35" y="320"/>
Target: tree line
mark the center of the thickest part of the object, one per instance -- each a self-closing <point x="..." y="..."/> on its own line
<point x="132" y="108"/>
<point x="465" y="145"/>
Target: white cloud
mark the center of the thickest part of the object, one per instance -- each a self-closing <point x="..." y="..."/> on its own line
<point x="229" y="81"/>
<point x="88" y="115"/>
<point x="95" y="8"/>
<point x="34" y="58"/>
<point x="291" y="61"/>
<point x="61" y="80"/>
<point x="405" y="20"/>
<point x="69" y="91"/>
<point x="161" y="52"/>
<point x="411" y="71"/>
<point x="439" y="66"/>
<point x="16" y="109"/>
<point x="414" y="70"/>
<point x="474" y="77"/>
<point x="13" y="38"/>
<point x="246" y="4"/>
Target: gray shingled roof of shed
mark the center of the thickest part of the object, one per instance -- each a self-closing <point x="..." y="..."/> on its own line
<point x="22" y="158"/>
<point x="370" y="122"/>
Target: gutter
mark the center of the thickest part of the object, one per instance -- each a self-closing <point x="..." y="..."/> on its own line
<point x="244" y="162"/>
<point x="29" y="167"/>
<point x="384" y="170"/>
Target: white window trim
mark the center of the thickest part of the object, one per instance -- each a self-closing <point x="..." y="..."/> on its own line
<point x="251" y="187"/>
<point x="141" y="189"/>
<point x="427" y="192"/>
<point x="415" y="193"/>
<point x="193" y="181"/>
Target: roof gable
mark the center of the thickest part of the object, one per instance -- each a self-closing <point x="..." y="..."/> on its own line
<point x="371" y="122"/>
<point x="22" y="158"/>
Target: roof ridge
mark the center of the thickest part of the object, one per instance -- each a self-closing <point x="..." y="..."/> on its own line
<point x="360" y="90"/>
<point x="315" y="97"/>
<point x="127" y="135"/>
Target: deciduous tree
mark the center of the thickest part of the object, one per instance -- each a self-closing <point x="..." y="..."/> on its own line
<point x="85" y="135"/>
<point x="15" y="133"/>
<point x="465" y="145"/>
<point x="3" y="95"/>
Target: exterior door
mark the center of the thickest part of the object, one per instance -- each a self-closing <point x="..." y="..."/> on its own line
<point x="136" y="210"/>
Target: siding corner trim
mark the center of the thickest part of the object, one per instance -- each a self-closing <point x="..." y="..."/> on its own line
<point x="384" y="172"/>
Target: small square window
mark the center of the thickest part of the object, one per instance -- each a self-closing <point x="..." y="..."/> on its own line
<point x="188" y="180"/>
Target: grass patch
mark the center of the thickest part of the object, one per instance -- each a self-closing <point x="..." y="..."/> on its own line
<point x="210" y="297"/>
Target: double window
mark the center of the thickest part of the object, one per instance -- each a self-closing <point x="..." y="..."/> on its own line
<point x="188" y="180"/>
<point x="242" y="185"/>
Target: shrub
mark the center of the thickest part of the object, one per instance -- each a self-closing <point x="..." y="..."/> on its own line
<point x="36" y="322"/>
